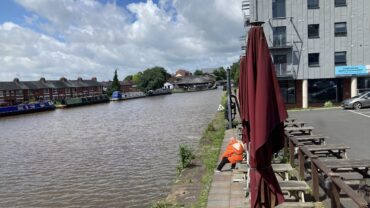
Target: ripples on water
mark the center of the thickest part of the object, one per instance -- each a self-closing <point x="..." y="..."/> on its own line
<point x="121" y="154"/>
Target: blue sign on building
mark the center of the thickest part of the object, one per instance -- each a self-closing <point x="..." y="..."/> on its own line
<point x="351" y="70"/>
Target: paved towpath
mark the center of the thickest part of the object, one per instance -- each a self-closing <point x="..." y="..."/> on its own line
<point x="225" y="193"/>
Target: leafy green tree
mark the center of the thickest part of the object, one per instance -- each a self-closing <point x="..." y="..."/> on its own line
<point x="115" y="86"/>
<point x="234" y="71"/>
<point x="128" y="78"/>
<point x="137" y="77"/>
<point x="220" y="73"/>
<point x="153" y="78"/>
<point x="198" y="72"/>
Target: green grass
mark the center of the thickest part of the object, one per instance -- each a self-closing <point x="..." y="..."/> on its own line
<point x="210" y="148"/>
<point x="208" y="151"/>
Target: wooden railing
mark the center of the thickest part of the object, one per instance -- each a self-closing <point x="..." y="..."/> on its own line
<point x="336" y="183"/>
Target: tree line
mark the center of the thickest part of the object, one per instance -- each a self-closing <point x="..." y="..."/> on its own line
<point x="155" y="77"/>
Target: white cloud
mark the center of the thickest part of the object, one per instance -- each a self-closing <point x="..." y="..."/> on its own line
<point x="86" y="38"/>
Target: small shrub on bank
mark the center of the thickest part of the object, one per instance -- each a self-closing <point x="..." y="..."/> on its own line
<point x="328" y="104"/>
<point x="186" y="156"/>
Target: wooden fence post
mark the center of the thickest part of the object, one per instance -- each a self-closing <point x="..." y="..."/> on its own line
<point x="315" y="178"/>
<point x="334" y="191"/>
<point x="301" y="162"/>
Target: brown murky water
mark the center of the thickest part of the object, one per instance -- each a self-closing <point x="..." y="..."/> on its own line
<point x="121" y="154"/>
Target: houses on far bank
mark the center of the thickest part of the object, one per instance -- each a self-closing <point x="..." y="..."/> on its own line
<point x="18" y="91"/>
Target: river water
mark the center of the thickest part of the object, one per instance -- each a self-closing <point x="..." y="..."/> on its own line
<point x="121" y="154"/>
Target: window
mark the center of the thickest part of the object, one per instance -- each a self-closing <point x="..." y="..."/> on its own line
<point x="287" y="88"/>
<point x="312" y="4"/>
<point x="1" y="93"/>
<point x="340" y="29"/>
<point x="280" y="62"/>
<point x="278" y="8"/>
<point x="313" y="31"/>
<point x="279" y="36"/>
<point x="322" y="90"/>
<point x="313" y="59"/>
<point x="340" y="3"/>
<point x="340" y="58"/>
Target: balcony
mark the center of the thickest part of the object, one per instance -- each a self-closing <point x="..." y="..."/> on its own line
<point x="282" y="70"/>
<point x="280" y="42"/>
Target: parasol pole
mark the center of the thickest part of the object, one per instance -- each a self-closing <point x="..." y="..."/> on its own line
<point x="229" y="98"/>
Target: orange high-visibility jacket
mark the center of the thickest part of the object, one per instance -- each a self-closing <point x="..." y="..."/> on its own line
<point x="234" y="151"/>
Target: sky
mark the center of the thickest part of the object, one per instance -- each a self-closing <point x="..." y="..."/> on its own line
<point x="92" y="38"/>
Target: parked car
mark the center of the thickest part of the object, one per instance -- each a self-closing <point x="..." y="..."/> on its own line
<point x="357" y="102"/>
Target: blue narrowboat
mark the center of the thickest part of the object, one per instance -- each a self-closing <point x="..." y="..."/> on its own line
<point x="26" y="108"/>
<point x="116" y="95"/>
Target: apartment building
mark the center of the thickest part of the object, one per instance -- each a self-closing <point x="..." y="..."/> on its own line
<point x="320" y="48"/>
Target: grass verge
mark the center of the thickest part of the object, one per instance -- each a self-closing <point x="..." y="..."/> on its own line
<point x="210" y="146"/>
<point x="200" y="174"/>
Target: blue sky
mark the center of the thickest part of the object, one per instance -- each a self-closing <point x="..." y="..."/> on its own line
<point x="71" y="38"/>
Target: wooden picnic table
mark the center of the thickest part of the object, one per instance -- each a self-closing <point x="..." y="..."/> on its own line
<point x="358" y="165"/>
<point x="294" y="124"/>
<point x="299" y="130"/>
<point x="336" y="150"/>
<point x="311" y="139"/>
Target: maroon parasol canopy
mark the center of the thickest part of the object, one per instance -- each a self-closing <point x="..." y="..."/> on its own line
<point x="263" y="113"/>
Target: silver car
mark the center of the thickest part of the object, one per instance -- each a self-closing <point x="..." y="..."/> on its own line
<point x="357" y="102"/>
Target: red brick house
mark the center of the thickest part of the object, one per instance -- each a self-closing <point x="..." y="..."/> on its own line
<point x="26" y="91"/>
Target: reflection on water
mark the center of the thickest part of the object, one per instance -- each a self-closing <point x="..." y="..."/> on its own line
<point x="121" y="154"/>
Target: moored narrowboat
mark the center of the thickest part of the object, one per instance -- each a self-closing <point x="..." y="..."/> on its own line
<point x="26" y="108"/>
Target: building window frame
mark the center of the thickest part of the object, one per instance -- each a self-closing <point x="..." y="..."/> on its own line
<point x="340" y="29"/>
<point x="279" y="36"/>
<point x="314" y="59"/>
<point x="340" y="58"/>
<point x="313" y="31"/>
<point x="278" y="9"/>
<point x="313" y="4"/>
<point x="340" y="3"/>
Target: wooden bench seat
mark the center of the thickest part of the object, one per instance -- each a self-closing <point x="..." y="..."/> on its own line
<point x="296" y="204"/>
<point x="294" y="124"/>
<point x="299" y="130"/>
<point x="297" y="188"/>
<point x="311" y="139"/>
<point x="282" y="170"/>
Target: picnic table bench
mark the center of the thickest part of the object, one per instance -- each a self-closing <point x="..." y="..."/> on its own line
<point x="297" y="204"/>
<point x="296" y="188"/>
<point x="294" y="124"/>
<point x="299" y="130"/>
<point x="336" y="150"/>
<point x="290" y="120"/>
<point x="294" y="141"/>
<point x="311" y="139"/>
<point x="282" y="170"/>
<point x="349" y="165"/>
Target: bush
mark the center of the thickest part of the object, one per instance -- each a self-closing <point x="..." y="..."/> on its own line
<point x="328" y="104"/>
<point x="186" y="156"/>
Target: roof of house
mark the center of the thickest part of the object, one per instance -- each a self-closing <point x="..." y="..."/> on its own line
<point x="195" y="80"/>
<point x="46" y="84"/>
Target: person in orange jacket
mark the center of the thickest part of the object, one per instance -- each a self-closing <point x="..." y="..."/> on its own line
<point x="232" y="154"/>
